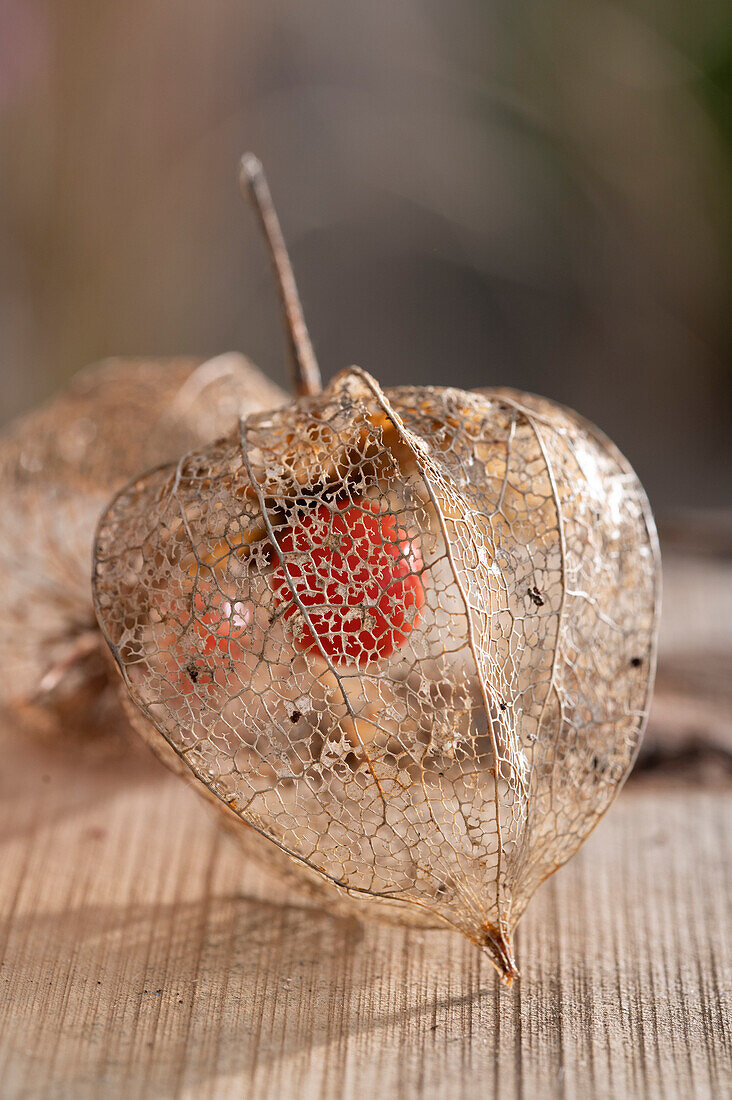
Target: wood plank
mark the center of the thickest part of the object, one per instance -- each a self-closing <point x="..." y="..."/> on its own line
<point x="141" y="957"/>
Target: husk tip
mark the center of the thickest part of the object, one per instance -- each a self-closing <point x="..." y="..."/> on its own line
<point x="498" y="945"/>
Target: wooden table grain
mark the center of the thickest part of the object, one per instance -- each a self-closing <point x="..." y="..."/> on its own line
<point x="141" y="957"/>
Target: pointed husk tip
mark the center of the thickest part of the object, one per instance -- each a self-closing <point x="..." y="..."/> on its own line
<point x="498" y="945"/>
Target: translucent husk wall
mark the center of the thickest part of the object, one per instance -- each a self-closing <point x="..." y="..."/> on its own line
<point x="408" y="636"/>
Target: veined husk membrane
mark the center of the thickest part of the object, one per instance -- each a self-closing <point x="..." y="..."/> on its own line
<point x="60" y="464"/>
<point x="437" y="722"/>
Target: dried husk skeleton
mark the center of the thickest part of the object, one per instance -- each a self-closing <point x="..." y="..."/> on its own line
<point x="60" y="465"/>
<point x="455" y="775"/>
<point x="438" y="779"/>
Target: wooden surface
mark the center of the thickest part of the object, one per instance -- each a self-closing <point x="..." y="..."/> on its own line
<point x="141" y="958"/>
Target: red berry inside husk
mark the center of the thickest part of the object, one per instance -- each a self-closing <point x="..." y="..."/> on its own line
<point x="357" y="574"/>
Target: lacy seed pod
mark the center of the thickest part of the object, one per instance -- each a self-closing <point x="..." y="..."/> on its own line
<point x="404" y="639"/>
<point x="59" y="466"/>
<point x="407" y="636"/>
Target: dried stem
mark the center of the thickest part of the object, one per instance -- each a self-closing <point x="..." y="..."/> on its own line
<point x="305" y="370"/>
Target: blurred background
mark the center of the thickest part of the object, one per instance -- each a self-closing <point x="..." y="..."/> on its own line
<point x="475" y="193"/>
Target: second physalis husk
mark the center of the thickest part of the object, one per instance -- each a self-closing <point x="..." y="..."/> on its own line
<point x="407" y="635"/>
